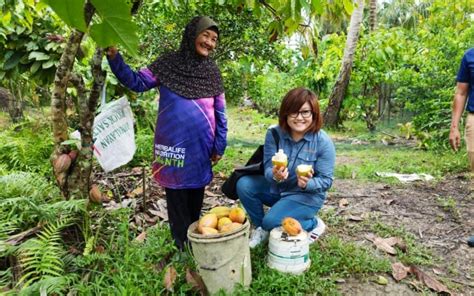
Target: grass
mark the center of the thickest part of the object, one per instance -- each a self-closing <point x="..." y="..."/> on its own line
<point x="118" y="265"/>
<point x="331" y="260"/>
<point x="246" y="132"/>
<point x="367" y="160"/>
<point x="449" y="205"/>
<point x="415" y="253"/>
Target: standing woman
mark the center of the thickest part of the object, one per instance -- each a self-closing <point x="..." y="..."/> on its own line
<point x="290" y="195"/>
<point x="191" y="128"/>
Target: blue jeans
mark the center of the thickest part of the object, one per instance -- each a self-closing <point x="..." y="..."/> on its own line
<point x="254" y="192"/>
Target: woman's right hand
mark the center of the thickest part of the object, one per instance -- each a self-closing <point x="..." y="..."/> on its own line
<point x="280" y="173"/>
<point x="112" y="52"/>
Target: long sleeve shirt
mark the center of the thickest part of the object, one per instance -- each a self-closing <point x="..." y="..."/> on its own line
<point x="188" y="131"/>
<point x="315" y="149"/>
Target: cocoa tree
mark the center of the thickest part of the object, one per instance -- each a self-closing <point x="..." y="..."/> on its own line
<point x="72" y="168"/>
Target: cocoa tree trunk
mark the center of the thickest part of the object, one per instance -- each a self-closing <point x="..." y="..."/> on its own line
<point x="331" y="115"/>
<point x="78" y="180"/>
<point x="58" y="105"/>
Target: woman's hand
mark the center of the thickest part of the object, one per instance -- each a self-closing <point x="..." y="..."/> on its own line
<point x="112" y="52"/>
<point x="215" y="159"/>
<point x="303" y="180"/>
<point x="280" y="173"/>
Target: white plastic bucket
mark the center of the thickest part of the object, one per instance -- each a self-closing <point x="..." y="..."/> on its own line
<point x="223" y="260"/>
<point x="288" y="254"/>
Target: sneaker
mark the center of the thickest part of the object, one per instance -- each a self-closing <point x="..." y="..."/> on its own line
<point x="258" y="236"/>
<point x="470" y="241"/>
<point x="314" y="234"/>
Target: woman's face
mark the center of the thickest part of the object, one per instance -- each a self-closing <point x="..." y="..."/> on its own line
<point x="300" y="122"/>
<point x="205" y="42"/>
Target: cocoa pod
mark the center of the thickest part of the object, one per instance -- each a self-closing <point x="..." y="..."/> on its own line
<point x="208" y="220"/>
<point x="73" y="154"/>
<point x="220" y="211"/>
<point x="61" y="178"/>
<point x="237" y="215"/>
<point x="62" y="163"/>
<point x="95" y="195"/>
<point x="291" y="226"/>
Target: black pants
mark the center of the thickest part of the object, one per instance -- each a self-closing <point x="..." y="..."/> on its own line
<point x="184" y="207"/>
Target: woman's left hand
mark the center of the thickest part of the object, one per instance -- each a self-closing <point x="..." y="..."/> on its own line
<point x="303" y="180"/>
<point x="215" y="159"/>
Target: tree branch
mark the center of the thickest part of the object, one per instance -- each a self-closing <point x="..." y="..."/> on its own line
<point x="271" y="9"/>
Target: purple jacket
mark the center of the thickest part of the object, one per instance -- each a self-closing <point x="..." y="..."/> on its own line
<point x="187" y="133"/>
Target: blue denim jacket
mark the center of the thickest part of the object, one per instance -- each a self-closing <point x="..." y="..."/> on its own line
<point x="316" y="149"/>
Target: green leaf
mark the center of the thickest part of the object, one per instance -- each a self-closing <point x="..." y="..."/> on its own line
<point x="114" y="31"/>
<point x="70" y="11"/>
<point x="6" y="19"/>
<point x="71" y="142"/>
<point x="317" y="6"/>
<point x="35" y="67"/>
<point x="13" y="61"/>
<point x="305" y="5"/>
<point x="38" y="55"/>
<point x="116" y="26"/>
<point x="48" y="64"/>
<point x="348" y="6"/>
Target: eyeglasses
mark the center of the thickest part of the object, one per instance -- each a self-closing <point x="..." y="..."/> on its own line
<point x="304" y="114"/>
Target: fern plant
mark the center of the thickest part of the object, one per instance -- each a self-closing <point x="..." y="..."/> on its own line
<point x="28" y="200"/>
<point x="27" y="147"/>
<point x="41" y="257"/>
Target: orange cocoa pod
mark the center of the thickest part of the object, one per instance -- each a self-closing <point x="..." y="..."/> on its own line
<point x="237" y="215"/>
<point x="291" y="226"/>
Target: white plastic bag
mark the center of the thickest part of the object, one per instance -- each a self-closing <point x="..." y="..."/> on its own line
<point x="114" y="138"/>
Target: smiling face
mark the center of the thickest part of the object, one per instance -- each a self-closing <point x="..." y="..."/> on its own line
<point x="205" y="42"/>
<point x="300" y="122"/>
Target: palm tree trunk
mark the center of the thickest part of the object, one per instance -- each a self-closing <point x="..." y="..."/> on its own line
<point x="373" y="15"/>
<point x="331" y="115"/>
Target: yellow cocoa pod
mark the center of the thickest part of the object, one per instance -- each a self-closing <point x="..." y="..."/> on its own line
<point x="223" y="221"/>
<point x="279" y="163"/>
<point x="220" y="211"/>
<point x="230" y="227"/>
<point x="291" y="226"/>
<point x="237" y="215"/>
<point x="208" y="220"/>
<point x="304" y="170"/>
<point x="209" y="230"/>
